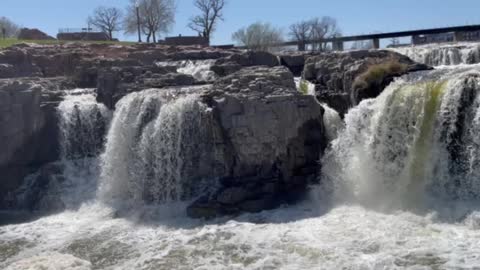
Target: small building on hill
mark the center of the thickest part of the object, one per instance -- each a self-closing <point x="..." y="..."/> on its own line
<point x="33" y="34"/>
<point x="78" y="34"/>
<point x="186" y="41"/>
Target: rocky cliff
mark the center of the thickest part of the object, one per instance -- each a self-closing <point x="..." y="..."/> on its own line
<point x="267" y="136"/>
<point x="343" y="79"/>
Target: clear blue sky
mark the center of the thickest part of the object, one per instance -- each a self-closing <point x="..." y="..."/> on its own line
<point x="354" y="16"/>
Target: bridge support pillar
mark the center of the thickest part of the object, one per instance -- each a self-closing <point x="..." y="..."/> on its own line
<point x="301" y="46"/>
<point x="337" y="45"/>
<point x="376" y="43"/>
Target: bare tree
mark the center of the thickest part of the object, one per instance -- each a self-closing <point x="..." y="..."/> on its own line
<point x="301" y="32"/>
<point x="156" y="17"/>
<point x="322" y="28"/>
<point x="259" y="36"/>
<point x="211" y="12"/>
<point x="8" y="28"/>
<point x="107" y="19"/>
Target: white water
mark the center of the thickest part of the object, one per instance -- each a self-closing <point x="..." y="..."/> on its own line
<point x="388" y="143"/>
<point x="156" y="139"/>
<point x="199" y="69"/>
<point x="443" y="54"/>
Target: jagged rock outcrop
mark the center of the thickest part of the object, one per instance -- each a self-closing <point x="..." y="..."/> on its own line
<point x="28" y="127"/>
<point x="334" y="75"/>
<point x="272" y="135"/>
<point x="228" y="65"/>
<point x="294" y="61"/>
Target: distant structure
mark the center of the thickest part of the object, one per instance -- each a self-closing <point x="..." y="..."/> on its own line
<point x="446" y="37"/>
<point x="78" y="34"/>
<point x="186" y="41"/>
<point x="33" y="34"/>
<point x="420" y="36"/>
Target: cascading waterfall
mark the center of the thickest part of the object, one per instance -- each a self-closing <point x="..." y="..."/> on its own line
<point x="82" y="123"/>
<point x="443" y="55"/>
<point x="155" y="148"/>
<point x="199" y="69"/>
<point x="415" y="141"/>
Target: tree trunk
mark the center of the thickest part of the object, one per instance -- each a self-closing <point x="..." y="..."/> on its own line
<point x="154" y="38"/>
<point x="110" y="34"/>
<point x="148" y="37"/>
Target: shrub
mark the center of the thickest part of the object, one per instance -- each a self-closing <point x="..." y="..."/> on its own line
<point x="376" y="74"/>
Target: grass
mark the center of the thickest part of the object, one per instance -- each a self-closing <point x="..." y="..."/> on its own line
<point x="303" y="87"/>
<point x="5" y="43"/>
<point x="375" y="74"/>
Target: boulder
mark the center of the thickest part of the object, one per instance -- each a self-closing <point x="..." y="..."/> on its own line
<point x="270" y="134"/>
<point x="115" y="82"/>
<point x="294" y="61"/>
<point x="334" y="75"/>
<point x="228" y="65"/>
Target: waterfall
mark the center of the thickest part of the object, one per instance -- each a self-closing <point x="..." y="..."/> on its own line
<point x="82" y="124"/>
<point x="159" y="148"/>
<point x="332" y="121"/>
<point x="417" y="140"/>
<point x="199" y="69"/>
<point x="441" y="55"/>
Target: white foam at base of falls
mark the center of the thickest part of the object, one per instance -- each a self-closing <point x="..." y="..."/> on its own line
<point x="299" y="237"/>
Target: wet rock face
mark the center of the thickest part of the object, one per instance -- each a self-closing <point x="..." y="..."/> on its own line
<point x="334" y="75"/>
<point x="28" y="127"/>
<point x="272" y="134"/>
<point x="268" y="137"/>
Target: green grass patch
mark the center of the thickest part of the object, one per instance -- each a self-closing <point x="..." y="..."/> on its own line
<point x="375" y="74"/>
<point x="303" y="87"/>
<point x="5" y="43"/>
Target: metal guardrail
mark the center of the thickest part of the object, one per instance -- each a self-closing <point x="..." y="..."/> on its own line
<point x="77" y="30"/>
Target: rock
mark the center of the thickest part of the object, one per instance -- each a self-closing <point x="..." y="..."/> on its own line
<point x="33" y="34"/>
<point x="228" y="65"/>
<point x="28" y="127"/>
<point x="270" y="131"/>
<point x="115" y="82"/>
<point x="232" y="195"/>
<point x="295" y="62"/>
<point x="334" y="75"/>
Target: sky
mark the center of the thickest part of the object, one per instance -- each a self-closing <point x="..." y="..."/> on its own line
<point x="353" y="16"/>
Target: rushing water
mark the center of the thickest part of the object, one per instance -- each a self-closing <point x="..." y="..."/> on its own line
<point x="199" y="69"/>
<point x="443" y="54"/>
<point x="402" y="177"/>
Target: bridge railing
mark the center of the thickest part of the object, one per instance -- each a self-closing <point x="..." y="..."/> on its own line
<point x="77" y="30"/>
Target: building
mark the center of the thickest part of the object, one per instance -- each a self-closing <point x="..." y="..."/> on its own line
<point x="187" y="41"/>
<point x="79" y="34"/>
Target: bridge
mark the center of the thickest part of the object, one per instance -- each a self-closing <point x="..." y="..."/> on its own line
<point x="460" y="33"/>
